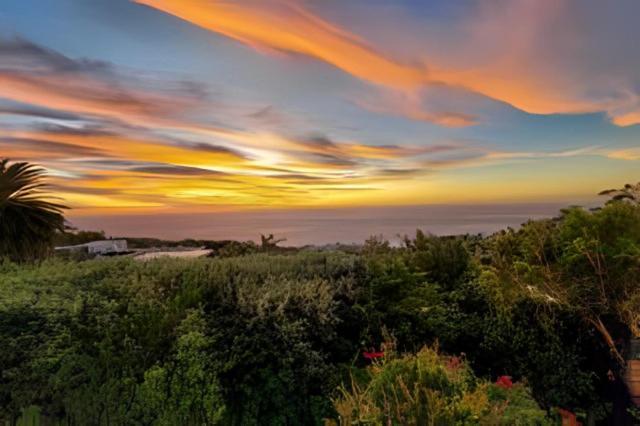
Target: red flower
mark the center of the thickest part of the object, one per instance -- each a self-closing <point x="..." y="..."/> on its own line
<point x="373" y="355"/>
<point x="568" y="418"/>
<point x="504" y="382"/>
<point x="454" y="363"/>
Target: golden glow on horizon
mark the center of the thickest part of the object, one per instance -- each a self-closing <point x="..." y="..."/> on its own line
<point x="192" y="179"/>
<point x="195" y="177"/>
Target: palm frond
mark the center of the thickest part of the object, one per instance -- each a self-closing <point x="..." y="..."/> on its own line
<point x="29" y="218"/>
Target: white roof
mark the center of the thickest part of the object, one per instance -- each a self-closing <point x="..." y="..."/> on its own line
<point x="94" y="244"/>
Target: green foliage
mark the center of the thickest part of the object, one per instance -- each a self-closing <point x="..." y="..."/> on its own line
<point x="431" y="389"/>
<point x="406" y="287"/>
<point x="267" y="335"/>
<point x="482" y="312"/>
<point x="251" y="340"/>
<point x="376" y="245"/>
<point x="185" y="389"/>
<point x="232" y="248"/>
<point x="398" y="298"/>
<point x="587" y="261"/>
<point x="442" y="260"/>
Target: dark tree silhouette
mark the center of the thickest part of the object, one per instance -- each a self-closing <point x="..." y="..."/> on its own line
<point x="630" y="193"/>
<point x="28" y="217"/>
<point x="268" y="243"/>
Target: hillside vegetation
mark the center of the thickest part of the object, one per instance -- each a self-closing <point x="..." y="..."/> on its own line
<point x="505" y="329"/>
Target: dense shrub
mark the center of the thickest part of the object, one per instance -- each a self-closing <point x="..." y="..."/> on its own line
<point x="431" y="389"/>
<point x="237" y="341"/>
<point x="487" y="314"/>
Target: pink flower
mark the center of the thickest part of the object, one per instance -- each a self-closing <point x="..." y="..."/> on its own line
<point x="504" y="382"/>
<point x="373" y="355"/>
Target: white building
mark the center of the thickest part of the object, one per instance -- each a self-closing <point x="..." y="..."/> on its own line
<point x="100" y="247"/>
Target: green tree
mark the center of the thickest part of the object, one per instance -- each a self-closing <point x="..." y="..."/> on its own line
<point x="443" y="260"/>
<point x="587" y="262"/>
<point x="28" y="219"/>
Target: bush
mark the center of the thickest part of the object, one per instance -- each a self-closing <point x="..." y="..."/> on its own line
<point x="244" y="341"/>
<point x="432" y="389"/>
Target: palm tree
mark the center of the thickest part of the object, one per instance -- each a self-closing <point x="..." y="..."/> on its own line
<point x="28" y="220"/>
<point x="630" y="193"/>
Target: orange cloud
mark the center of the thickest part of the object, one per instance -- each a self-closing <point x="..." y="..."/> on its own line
<point x="57" y="87"/>
<point x="516" y="67"/>
<point x="84" y="95"/>
<point x="127" y="148"/>
<point x="627" y="119"/>
<point x="625" y="154"/>
<point x="287" y="26"/>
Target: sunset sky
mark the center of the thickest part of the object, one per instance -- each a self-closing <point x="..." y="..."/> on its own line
<point x="173" y="106"/>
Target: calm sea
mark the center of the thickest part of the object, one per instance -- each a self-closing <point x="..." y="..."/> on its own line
<point x="322" y="226"/>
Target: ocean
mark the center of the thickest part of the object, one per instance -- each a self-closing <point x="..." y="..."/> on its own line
<point x="322" y="226"/>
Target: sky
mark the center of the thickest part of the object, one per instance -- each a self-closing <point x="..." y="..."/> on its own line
<point x="139" y="107"/>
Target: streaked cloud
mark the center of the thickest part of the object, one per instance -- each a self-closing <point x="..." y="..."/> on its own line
<point x="172" y="170"/>
<point x="412" y="105"/>
<point x="560" y="57"/>
<point x="26" y="147"/>
<point x="33" y="75"/>
<point x="590" y="150"/>
<point x="533" y="55"/>
<point x="288" y="27"/>
<point x="105" y="164"/>
<point x="13" y="108"/>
